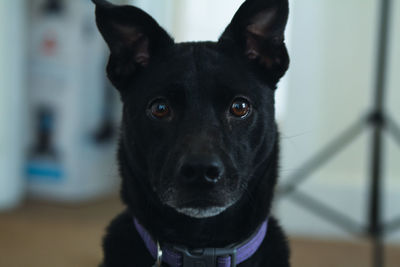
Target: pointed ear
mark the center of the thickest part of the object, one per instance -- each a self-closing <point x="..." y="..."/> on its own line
<point x="133" y="37"/>
<point x="258" y="30"/>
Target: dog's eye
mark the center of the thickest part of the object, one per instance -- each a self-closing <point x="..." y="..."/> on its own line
<point x="240" y="107"/>
<point x="159" y="109"/>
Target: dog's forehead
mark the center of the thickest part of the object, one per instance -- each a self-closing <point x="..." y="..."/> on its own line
<point x="195" y="59"/>
<point x="205" y="51"/>
<point x="196" y="65"/>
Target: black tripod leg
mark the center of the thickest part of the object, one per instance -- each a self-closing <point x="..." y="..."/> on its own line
<point x="379" y="252"/>
<point x="376" y="226"/>
<point x="375" y="216"/>
<point x="322" y="157"/>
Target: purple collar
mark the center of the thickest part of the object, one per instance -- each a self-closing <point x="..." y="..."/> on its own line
<point x="231" y="256"/>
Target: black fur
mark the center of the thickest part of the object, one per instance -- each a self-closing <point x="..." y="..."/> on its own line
<point x="198" y="83"/>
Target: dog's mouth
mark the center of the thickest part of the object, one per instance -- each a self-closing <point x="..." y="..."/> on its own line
<point x="201" y="208"/>
<point x="201" y="213"/>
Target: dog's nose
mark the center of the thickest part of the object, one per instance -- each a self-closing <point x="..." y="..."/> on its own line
<point x="202" y="169"/>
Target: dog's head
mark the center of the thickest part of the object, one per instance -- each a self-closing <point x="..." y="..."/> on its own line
<point x="198" y="119"/>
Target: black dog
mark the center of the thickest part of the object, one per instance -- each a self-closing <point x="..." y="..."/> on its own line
<point x="198" y="150"/>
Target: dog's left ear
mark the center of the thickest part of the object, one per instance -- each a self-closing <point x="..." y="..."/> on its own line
<point x="134" y="38"/>
<point x="258" y="30"/>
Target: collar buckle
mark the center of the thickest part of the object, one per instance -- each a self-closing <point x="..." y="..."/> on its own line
<point x="206" y="257"/>
<point x="159" y="256"/>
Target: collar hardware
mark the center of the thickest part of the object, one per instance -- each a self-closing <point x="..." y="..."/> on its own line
<point x="206" y="257"/>
<point x="159" y="256"/>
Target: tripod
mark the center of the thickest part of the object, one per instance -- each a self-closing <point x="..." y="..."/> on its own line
<point x="378" y="121"/>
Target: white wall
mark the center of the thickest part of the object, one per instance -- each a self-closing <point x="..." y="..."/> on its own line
<point x="12" y="89"/>
<point x="204" y="20"/>
<point x="330" y="86"/>
<point x="191" y="20"/>
<point x="393" y="97"/>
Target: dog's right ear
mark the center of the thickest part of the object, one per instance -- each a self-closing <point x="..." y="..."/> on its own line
<point x="133" y="37"/>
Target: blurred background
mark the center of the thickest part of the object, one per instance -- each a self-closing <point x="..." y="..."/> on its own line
<point x="59" y="118"/>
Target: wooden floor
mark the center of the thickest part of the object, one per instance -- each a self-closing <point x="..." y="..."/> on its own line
<point x="49" y="235"/>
